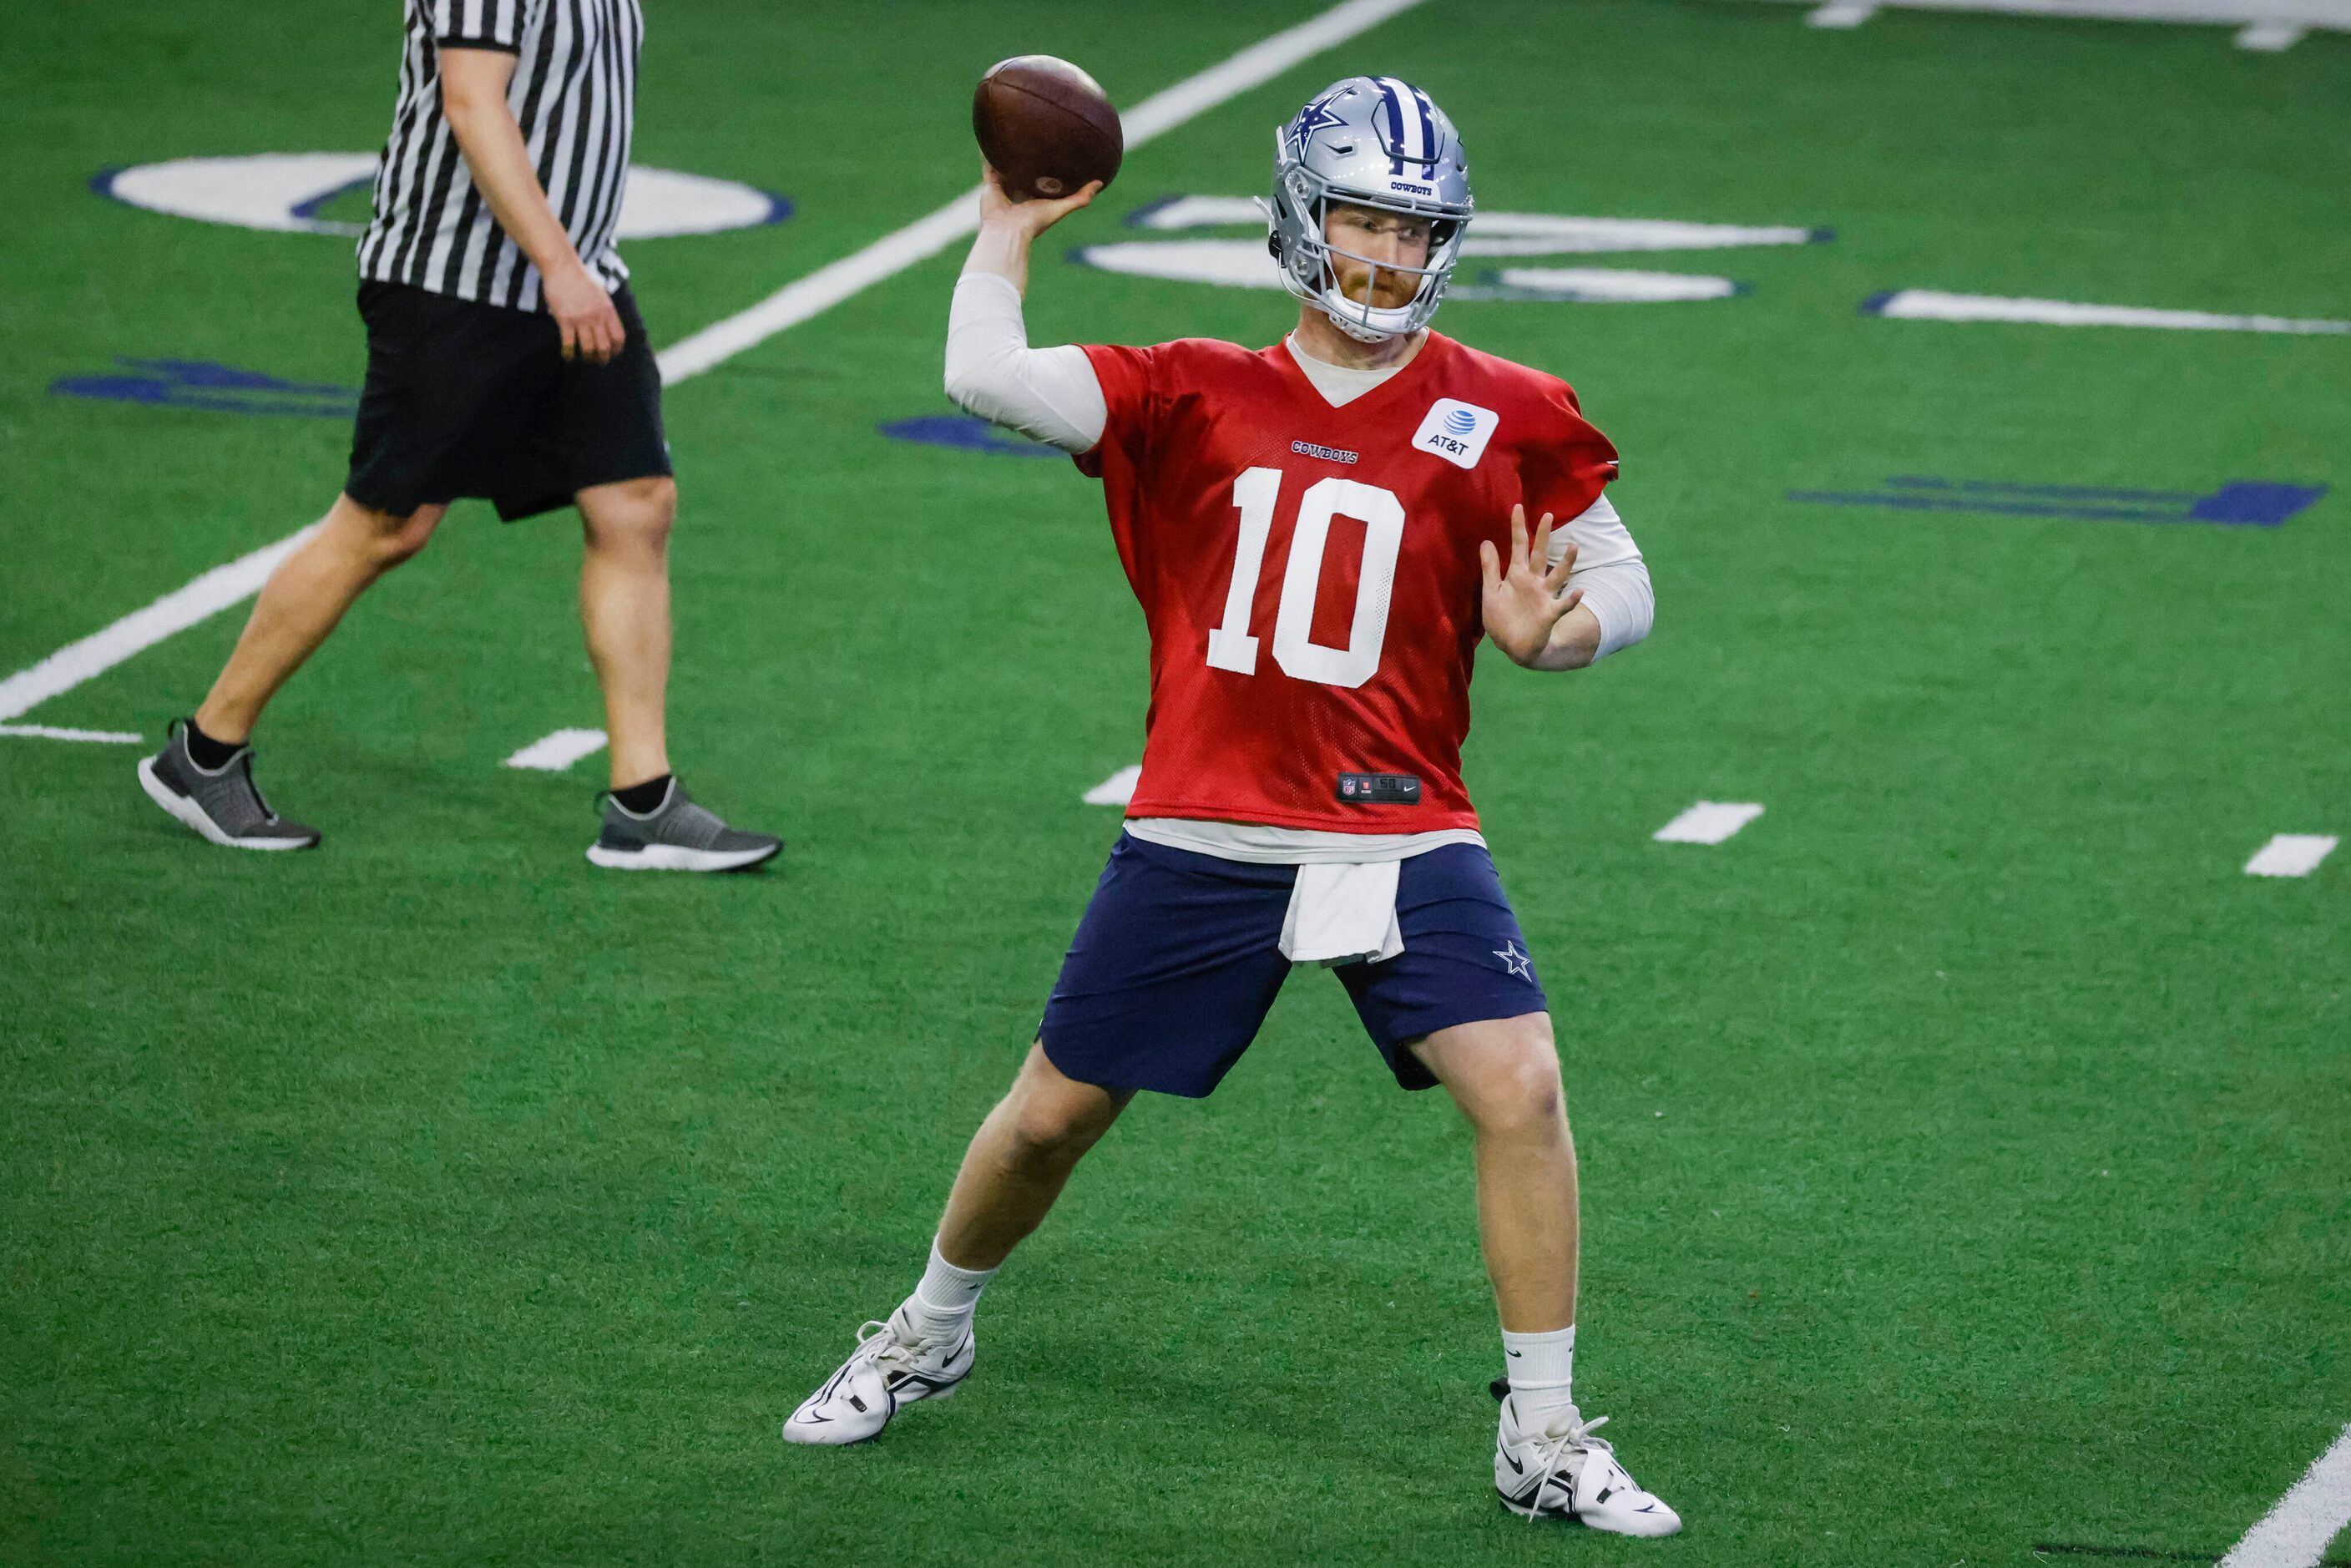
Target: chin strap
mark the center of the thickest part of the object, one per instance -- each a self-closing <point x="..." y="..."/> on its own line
<point x="1362" y="323"/>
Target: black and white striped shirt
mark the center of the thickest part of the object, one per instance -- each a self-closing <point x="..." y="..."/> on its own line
<point x="574" y="95"/>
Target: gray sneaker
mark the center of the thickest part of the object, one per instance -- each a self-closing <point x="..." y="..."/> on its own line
<point x="677" y="835"/>
<point x="221" y="804"/>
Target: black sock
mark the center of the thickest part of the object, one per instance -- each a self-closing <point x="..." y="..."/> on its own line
<point x="644" y="798"/>
<point x="208" y="753"/>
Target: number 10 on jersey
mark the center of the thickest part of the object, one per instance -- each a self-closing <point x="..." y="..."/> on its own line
<point x="1255" y="493"/>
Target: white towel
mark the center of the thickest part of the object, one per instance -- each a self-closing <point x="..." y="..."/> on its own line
<point x="1339" y="914"/>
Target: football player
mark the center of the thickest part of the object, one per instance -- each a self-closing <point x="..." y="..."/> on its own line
<point x="1319" y="533"/>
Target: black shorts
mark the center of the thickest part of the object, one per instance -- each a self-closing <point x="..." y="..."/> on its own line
<point x="465" y="399"/>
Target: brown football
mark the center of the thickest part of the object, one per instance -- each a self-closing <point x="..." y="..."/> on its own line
<point x="1046" y="127"/>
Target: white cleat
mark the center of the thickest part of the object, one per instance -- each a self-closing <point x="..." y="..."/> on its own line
<point x="1565" y="1472"/>
<point x="890" y="1369"/>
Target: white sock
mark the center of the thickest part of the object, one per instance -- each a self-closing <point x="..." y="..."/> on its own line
<point x="943" y="1303"/>
<point x="1541" y="1367"/>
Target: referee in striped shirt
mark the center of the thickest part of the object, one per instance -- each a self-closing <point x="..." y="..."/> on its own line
<point x="506" y="360"/>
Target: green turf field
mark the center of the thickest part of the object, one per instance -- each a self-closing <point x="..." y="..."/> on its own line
<point x="1964" y="1143"/>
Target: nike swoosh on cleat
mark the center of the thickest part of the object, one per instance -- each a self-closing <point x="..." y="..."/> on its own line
<point x="1516" y="1467"/>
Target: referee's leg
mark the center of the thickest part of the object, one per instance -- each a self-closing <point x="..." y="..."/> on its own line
<point x="203" y="775"/>
<point x="301" y="602"/>
<point x="624" y="607"/>
<point x="651" y="823"/>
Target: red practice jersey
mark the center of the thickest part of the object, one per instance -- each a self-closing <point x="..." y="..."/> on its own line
<point x="1309" y="574"/>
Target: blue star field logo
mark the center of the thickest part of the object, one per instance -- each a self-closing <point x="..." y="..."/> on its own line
<point x="1518" y="963"/>
<point x="1316" y="116"/>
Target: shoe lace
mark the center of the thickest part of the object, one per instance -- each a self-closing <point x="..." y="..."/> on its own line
<point x="883" y="1344"/>
<point x="897" y="1352"/>
<point x="1564" y="1434"/>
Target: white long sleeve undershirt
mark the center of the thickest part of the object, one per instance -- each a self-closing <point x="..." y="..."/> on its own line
<point x="1052" y="395"/>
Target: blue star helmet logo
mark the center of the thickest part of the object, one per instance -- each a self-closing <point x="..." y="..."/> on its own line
<point x="1316" y="116"/>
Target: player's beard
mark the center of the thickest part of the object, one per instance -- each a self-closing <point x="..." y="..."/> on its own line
<point x="1390" y="289"/>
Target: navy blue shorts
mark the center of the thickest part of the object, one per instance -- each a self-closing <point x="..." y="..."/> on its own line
<point x="1179" y="959"/>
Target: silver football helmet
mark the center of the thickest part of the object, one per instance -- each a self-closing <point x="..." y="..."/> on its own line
<point x="1373" y="141"/>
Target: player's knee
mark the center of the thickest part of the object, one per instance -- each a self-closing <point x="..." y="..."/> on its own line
<point x="388" y="538"/>
<point x="657" y="503"/>
<point x="1520" y="1094"/>
<point x="400" y="545"/>
<point x="1049" y="1132"/>
<point x="1054" y="1123"/>
<point x="636" y="513"/>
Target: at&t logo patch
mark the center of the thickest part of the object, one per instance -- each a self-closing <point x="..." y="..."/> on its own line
<point x="1457" y="432"/>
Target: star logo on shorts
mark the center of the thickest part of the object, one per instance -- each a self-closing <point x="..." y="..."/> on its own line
<point x="1516" y="962"/>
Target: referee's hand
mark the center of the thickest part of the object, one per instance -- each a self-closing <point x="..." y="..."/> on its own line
<point x="584" y="312"/>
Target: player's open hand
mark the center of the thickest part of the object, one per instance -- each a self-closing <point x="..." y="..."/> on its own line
<point x="1525" y="602"/>
<point x="1031" y="218"/>
<point x="584" y="314"/>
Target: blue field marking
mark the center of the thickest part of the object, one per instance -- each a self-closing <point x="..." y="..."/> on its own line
<point x="2240" y="503"/>
<point x="223" y="388"/>
<point x="1141" y="216"/>
<point x="2256" y="502"/>
<point x="968" y="434"/>
<point x="2008" y="487"/>
<point x="309" y="211"/>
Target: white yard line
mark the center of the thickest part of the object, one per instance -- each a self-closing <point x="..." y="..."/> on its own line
<point x="2295" y="1533"/>
<point x="554" y="753"/>
<point x="2266" y="24"/>
<point x="217" y="590"/>
<point x="1708" y="822"/>
<point x="177" y="611"/>
<point x="1931" y="305"/>
<point x="924" y="238"/>
<point x="1115" y="790"/>
<point x="51" y="732"/>
<point x="2291" y="854"/>
<point x="821" y="291"/>
<point x="2268" y="37"/>
<point x="1254" y="67"/>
